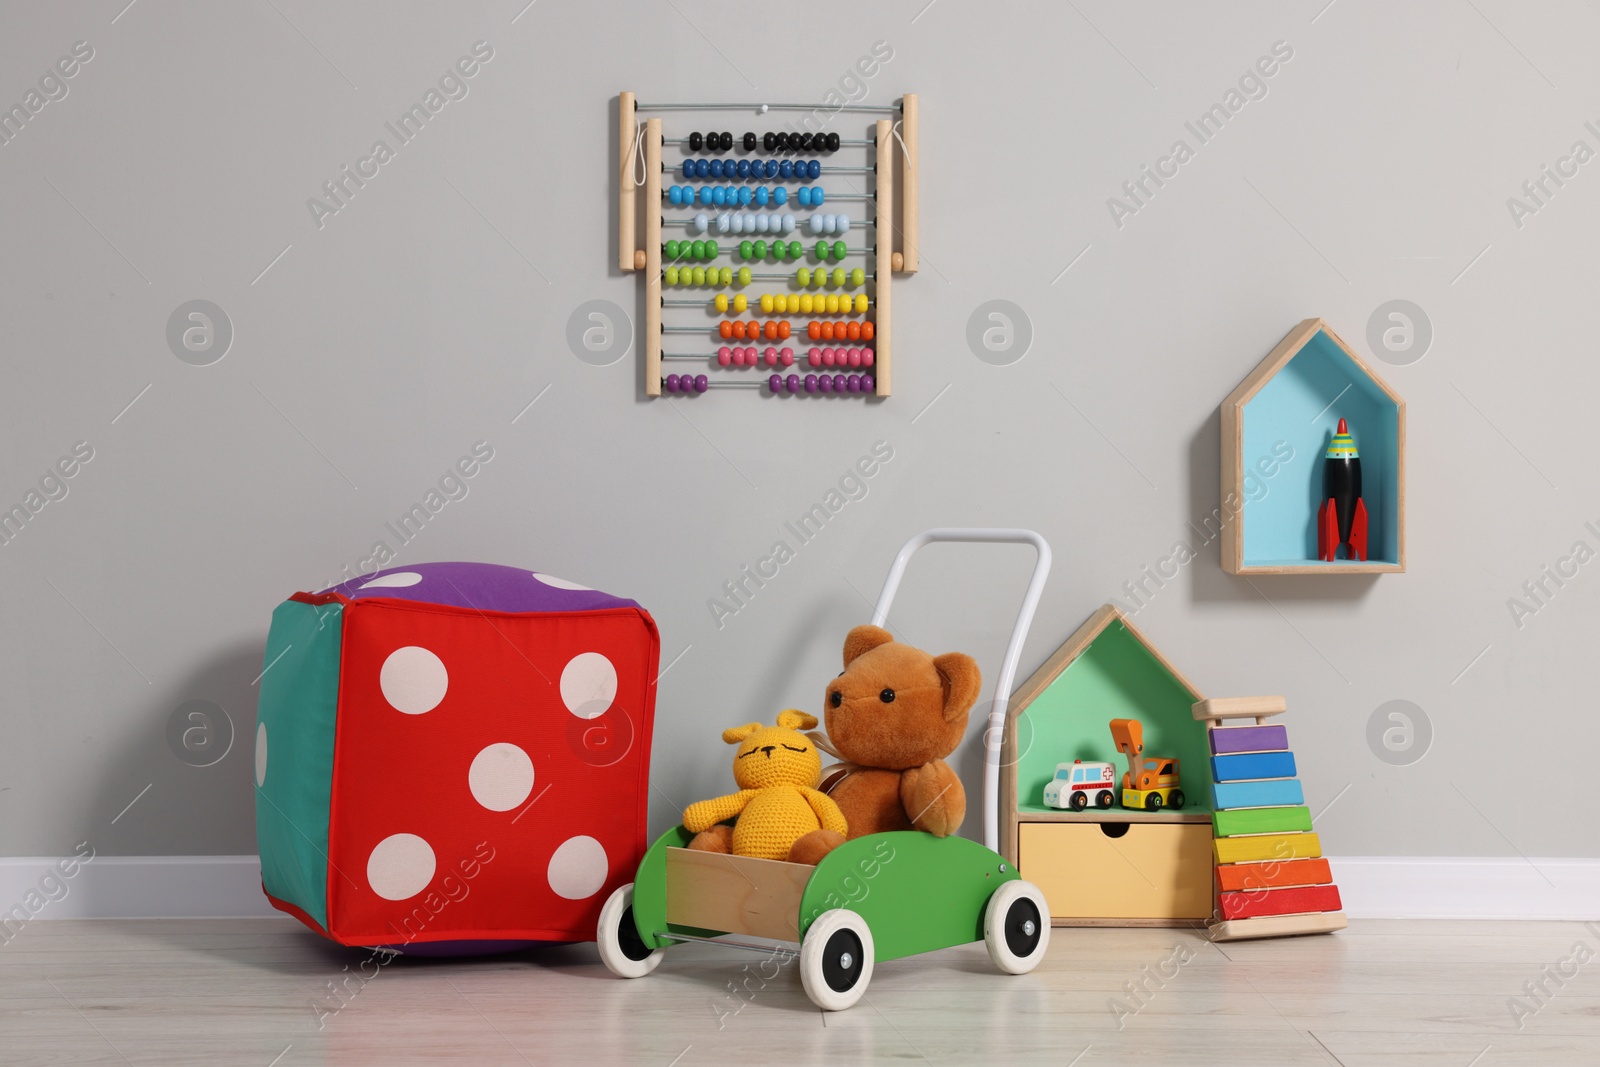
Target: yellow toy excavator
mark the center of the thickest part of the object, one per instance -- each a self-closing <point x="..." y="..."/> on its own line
<point x="1151" y="782"/>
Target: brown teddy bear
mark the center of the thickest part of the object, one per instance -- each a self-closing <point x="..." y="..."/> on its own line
<point x="893" y="715"/>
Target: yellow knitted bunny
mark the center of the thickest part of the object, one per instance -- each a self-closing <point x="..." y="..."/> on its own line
<point x="777" y="769"/>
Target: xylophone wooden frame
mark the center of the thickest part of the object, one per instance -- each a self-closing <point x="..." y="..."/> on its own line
<point x="887" y="192"/>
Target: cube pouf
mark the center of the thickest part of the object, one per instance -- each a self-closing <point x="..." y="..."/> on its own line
<point x="453" y="756"/>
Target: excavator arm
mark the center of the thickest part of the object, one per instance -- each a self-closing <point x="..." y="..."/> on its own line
<point x="1128" y="734"/>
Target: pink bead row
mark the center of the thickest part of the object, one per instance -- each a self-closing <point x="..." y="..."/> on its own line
<point x="815" y="357"/>
<point x="748" y="357"/>
<point x="840" y="357"/>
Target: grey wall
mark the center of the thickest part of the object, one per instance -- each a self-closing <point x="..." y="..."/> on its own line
<point x="426" y="314"/>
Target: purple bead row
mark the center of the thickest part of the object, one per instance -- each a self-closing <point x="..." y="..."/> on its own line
<point x="822" y="383"/>
<point x="686" y="383"/>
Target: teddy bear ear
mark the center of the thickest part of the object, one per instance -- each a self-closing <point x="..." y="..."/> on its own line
<point x="796" y="720"/>
<point x="734" y="734"/>
<point x="864" y="639"/>
<point x="959" y="674"/>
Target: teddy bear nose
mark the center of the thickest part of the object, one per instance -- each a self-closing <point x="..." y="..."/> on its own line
<point x="768" y="749"/>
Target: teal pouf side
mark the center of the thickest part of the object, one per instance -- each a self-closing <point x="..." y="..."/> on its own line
<point x="294" y="753"/>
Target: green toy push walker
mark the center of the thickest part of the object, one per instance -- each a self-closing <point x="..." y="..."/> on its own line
<point x="877" y="897"/>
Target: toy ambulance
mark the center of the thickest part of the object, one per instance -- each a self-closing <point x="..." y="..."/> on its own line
<point x="1077" y="783"/>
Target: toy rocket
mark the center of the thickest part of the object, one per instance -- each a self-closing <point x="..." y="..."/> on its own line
<point x="1342" y="518"/>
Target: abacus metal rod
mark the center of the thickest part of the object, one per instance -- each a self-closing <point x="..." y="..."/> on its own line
<point x="813" y="153"/>
<point x="826" y="170"/>
<point x="767" y="276"/>
<point x="672" y="303"/>
<point x="826" y="198"/>
<point x="876" y="109"/>
<point x="799" y="357"/>
<point x="796" y="234"/>
<point x="711" y="328"/>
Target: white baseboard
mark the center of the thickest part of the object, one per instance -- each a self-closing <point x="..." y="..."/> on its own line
<point x="1372" y="887"/>
<point x="134" y="887"/>
<point x="1471" y="887"/>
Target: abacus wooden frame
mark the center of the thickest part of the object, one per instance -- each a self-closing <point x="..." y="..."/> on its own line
<point x="895" y="186"/>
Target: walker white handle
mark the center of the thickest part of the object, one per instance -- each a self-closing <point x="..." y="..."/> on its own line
<point x="1008" y="668"/>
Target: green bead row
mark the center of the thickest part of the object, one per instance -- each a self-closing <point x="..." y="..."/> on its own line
<point x="821" y="276"/>
<point x="687" y="276"/>
<point x="777" y="250"/>
<point x="825" y="251"/>
<point x="691" y="250"/>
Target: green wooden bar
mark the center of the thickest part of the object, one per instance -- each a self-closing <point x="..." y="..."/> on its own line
<point x="1261" y="821"/>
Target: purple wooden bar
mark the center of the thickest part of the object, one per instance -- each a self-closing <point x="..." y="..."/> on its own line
<point x="1249" y="739"/>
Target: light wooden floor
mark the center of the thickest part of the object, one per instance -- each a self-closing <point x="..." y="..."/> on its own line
<point x="240" y="992"/>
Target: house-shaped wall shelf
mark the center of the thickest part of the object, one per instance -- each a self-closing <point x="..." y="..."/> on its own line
<point x="1111" y="867"/>
<point x="1275" y="431"/>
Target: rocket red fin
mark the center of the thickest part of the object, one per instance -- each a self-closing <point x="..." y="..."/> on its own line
<point x="1358" y="531"/>
<point x="1327" y="531"/>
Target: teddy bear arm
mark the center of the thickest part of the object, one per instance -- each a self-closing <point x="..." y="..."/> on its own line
<point x="704" y="814"/>
<point x="828" y="813"/>
<point x="934" y="798"/>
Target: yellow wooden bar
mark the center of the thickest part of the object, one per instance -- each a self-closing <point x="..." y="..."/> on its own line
<point x="1259" y="847"/>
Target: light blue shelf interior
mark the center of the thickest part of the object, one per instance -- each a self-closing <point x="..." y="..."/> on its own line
<point x="1301" y="407"/>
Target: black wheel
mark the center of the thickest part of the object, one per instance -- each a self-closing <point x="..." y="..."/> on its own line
<point x="1152" y="802"/>
<point x="1104" y="799"/>
<point x="841" y="961"/>
<point x="1023" y="927"/>
<point x="628" y="939"/>
<point x="1177" y="798"/>
<point x="1079" y="801"/>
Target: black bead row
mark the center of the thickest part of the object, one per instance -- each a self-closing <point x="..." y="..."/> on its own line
<point x="770" y="141"/>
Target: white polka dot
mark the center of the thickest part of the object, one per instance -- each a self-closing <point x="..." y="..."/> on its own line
<point x="261" y="753"/>
<point x="501" y="777"/>
<point x="413" y="680"/>
<point x="578" y="868"/>
<point x="400" y="867"/>
<point x="397" y="580"/>
<point x="560" y="583"/>
<point x="588" y="685"/>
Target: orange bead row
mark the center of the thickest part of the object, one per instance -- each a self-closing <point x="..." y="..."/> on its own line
<point x="775" y="330"/>
<point x="840" y="331"/>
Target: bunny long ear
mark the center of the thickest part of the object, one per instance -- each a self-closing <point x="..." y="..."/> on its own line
<point x="796" y="720"/>
<point x="734" y="734"/>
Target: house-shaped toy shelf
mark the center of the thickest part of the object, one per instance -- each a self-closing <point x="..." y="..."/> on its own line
<point x="1111" y="867"/>
<point x="1275" y="431"/>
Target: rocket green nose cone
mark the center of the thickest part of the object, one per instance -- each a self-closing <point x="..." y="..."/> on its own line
<point x="1343" y="446"/>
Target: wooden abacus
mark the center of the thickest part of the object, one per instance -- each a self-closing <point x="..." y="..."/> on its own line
<point x="847" y="312"/>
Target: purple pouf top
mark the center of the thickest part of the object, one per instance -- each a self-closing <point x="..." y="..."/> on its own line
<point x="484" y="586"/>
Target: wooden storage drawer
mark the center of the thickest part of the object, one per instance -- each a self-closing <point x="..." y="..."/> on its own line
<point x="1154" y="871"/>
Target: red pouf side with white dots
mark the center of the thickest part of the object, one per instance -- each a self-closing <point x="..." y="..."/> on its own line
<point x="490" y="771"/>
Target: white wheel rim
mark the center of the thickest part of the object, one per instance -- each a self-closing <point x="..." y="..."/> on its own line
<point x="813" y="956"/>
<point x="994" y="927"/>
<point x="607" y="938"/>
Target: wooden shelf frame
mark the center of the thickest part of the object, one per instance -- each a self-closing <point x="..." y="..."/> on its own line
<point x="1113" y="815"/>
<point x="1385" y="490"/>
<point x="1074" y="647"/>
